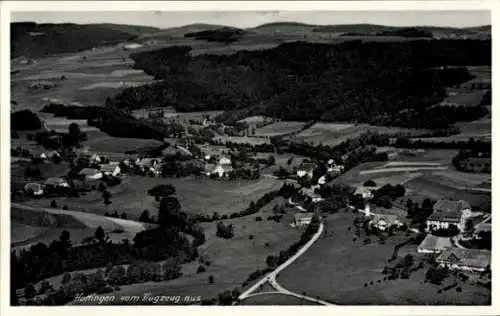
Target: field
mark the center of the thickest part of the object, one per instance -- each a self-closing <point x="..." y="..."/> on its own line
<point x="197" y="196"/>
<point x="243" y="140"/>
<point x="465" y="98"/>
<point x="231" y="261"/>
<point x="106" y="143"/>
<point x="430" y="174"/>
<point x="82" y="72"/>
<point x="31" y="225"/>
<point x="279" y="128"/>
<point x="336" y="268"/>
<point x="275" y="299"/>
<point x="333" y="134"/>
<point x="478" y="129"/>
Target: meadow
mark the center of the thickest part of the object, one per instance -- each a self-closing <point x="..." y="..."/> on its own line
<point x="338" y="265"/>
<point x="333" y="134"/>
<point x="279" y="128"/>
<point x="231" y="260"/>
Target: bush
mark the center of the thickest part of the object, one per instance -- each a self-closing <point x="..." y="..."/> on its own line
<point x="65" y="207"/>
<point x="250" y="237"/>
<point x="201" y="269"/>
<point x="459" y="289"/>
<point x="370" y="183"/>
<point x="258" y="219"/>
<point x="53" y="204"/>
<point x="211" y="279"/>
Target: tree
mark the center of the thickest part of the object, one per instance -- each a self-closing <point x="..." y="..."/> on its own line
<point x="272" y="261"/>
<point x="427" y="204"/>
<point x="144" y="217"/>
<point x="106" y="196"/>
<point x="66" y="278"/>
<point x="409" y="207"/>
<point x="100" y="234"/>
<point x="29" y="291"/>
<point x="162" y="190"/>
<point x="53" y="204"/>
<point x="65" y="238"/>
<point x="289" y="161"/>
<point x="370" y="183"/>
<point x="102" y="187"/>
<point x="271" y="160"/>
<point x="211" y="279"/>
<point x="124" y="216"/>
<point x="169" y="212"/>
<point x="75" y="135"/>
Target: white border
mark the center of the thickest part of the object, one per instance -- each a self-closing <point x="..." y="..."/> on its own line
<point x="427" y="5"/>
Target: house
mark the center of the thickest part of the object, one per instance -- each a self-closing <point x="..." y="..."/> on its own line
<point x="465" y="259"/>
<point x="322" y="180"/>
<point x="222" y="170"/>
<point x="481" y="228"/>
<point x="433" y="244"/>
<point x="34" y="188"/>
<point x="91" y="173"/>
<point x="384" y="221"/>
<point x="302" y="219"/>
<point x="45" y="155"/>
<point x="95" y="158"/>
<point x="110" y="169"/>
<point x="478" y="164"/>
<point x="315" y="198"/>
<point x="449" y="212"/>
<point x="306" y="169"/>
<point x="335" y="170"/>
<point x="224" y="161"/>
<point x="56" y="182"/>
<point x="365" y="192"/>
<point x="208" y="169"/>
<point x="145" y="164"/>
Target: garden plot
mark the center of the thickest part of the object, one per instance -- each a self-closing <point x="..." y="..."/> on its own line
<point x="279" y="128"/>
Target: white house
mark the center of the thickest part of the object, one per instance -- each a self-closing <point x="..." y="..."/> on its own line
<point x="224" y="161"/>
<point x="302" y="219"/>
<point x="449" y="212"/>
<point x="110" y="170"/>
<point x="306" y="169"/>
<point x="365" y="192"/>
<point x="34" y="188"/>
<point x="91" y="173"/>
<point x="95" y="158"/>
<point x="57" y="182"/>
<point x="322" y="180"/>
<point x="222" y="170"/>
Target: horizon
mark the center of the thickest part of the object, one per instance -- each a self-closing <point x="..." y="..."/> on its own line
<point x="252" y="19"/>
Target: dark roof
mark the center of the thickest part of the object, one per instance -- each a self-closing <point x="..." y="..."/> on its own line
<point x="445" y="217"/>
<point x="451" y="205"/>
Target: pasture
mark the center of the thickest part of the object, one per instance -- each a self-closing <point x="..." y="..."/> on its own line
<point x="333" y="134"/>
<point x="31" y="225"/>
<point x="106" y="143"/>
<point x="196" y="196"/>
<point x="336" y="268"/>
<point x="275" y="299"/>
<point x="278" y="129"/>
<point x="243" y="140"/>
<point x="231" y="260"/>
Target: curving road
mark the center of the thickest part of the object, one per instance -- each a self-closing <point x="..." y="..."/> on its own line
<point x="271" y="277"/>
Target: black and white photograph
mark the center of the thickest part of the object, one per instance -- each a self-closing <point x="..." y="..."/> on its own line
<point x="241" y="158"/>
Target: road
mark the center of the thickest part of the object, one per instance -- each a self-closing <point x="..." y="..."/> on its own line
<point x="271" y="277"/>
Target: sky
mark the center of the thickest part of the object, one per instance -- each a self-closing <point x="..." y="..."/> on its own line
<point x="244" y="19"/>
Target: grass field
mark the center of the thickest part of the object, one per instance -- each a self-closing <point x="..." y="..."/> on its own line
<point x="197" y="196"/>
<point x="336" y="268"/>
<point x="231" y="261"/>
<point x="334" y="133"/>
<point x="31" y="225"/>
<point x="275" y="299"/>
<point x="106" y="143"/>
<point x="243" y="140"/>
<point x="279" y="128"/>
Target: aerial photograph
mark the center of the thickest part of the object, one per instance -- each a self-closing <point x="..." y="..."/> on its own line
<point x="250" y="158"/>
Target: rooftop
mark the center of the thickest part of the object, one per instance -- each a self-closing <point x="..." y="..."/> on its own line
<point x="299" y="216"/>
<point x="468" y="257"/>
<point x="445" y="217"/>
<point x="451" y="205"/>
<point x="89" y="171"/>
<point x="435" y="243"/>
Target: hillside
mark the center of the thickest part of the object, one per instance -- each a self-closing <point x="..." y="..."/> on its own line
<point x="135" y="30"/>
<point x="38" y="40"/>
<point x="310" y="81"/>
<point x="179" y="32"/>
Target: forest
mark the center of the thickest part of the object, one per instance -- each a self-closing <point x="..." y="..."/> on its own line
<point x="379" y="83"/>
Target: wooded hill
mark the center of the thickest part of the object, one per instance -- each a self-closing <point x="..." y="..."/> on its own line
<point x="378" y="83"/>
